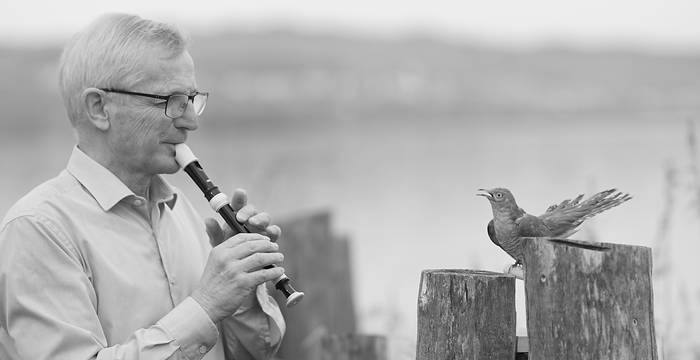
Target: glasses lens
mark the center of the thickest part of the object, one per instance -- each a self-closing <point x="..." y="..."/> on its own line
<point x="176" y="106"/>
<point x="200" y="101"/>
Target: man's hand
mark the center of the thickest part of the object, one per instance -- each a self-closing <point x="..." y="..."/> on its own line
<point x="257" y="222"/>
<point x="235" y="265"/>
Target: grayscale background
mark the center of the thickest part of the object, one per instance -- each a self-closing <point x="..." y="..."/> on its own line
<point x="391" y="114"/>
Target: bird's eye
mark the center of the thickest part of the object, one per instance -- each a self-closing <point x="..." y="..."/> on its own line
<point x="499" y="195"/>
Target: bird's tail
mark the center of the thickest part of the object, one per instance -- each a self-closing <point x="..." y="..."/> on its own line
<point x="565" y="217"/>
<point x="594" y="205"/>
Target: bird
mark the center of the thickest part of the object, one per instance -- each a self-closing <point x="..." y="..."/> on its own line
<point x="511" y="223"/>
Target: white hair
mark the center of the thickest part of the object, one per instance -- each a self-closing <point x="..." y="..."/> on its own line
<point x="109" y="53"/>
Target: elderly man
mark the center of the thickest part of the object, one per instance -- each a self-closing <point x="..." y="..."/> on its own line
<point x="108" y="261"/>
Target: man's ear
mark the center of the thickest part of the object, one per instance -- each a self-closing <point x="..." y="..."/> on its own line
<point x="97" y="114"/>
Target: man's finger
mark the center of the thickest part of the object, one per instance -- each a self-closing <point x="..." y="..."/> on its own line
<point x="216" y="235"/>
<point x="244" y="213"/>
<point x="260" y="220"/>
<point x="262" y="275"/>
<point x="274" y="232"/>
<point x="239" y="199"/>
<point x="259" y="260"/>
<point x="243" y="237"/>
<point x="244" y="250"/>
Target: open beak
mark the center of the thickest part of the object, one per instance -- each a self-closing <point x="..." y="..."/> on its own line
<point x="485" y="193"/>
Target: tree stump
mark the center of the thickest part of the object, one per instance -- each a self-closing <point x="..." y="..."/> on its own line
<point x="588" y="300"/>
<point x="466" y="314"/>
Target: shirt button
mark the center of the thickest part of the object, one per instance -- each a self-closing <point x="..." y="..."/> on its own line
<point x="202" y="349"/>
<point x="138" y="202"/>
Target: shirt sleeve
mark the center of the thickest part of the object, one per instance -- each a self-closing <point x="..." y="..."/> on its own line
<point x="49" y="307"/>
<point x="254" y="331"/>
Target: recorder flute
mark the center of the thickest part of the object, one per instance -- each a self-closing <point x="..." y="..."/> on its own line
<point x="219" y="202"/>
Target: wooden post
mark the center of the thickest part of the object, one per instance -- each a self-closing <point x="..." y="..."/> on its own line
<point x="319" y="263"/>
<point x="353" y="347"/>
<point x="588" y="300"/>
<point x="466" y="314"/>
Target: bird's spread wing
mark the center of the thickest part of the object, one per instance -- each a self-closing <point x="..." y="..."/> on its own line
<point x="564" y="218"/>
<point x="530" y="225"/>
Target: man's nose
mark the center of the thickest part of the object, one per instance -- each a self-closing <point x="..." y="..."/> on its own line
<point x="189" y="119"/>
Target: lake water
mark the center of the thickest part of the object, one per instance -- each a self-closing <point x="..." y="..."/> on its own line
<point x="405" y="192"/>
<point x="395" y="138"/>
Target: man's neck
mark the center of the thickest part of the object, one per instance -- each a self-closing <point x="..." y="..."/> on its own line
<point x="136" y="182"/>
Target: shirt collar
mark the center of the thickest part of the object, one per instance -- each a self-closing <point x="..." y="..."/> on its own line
<point x="106" y="188"/>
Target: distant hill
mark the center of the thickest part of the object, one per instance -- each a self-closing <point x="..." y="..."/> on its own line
<point x="278" y="77"/>
<point x="391" y="133"/>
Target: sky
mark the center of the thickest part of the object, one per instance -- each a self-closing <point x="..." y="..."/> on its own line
<point x="651" y="24"/>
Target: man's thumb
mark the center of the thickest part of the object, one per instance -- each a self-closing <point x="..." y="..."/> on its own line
<point x="216" y="235"/>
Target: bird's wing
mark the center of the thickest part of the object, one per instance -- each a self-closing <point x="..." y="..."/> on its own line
<point x="564" y="218"/>
<point x="492" y="233"/>
<point x="530" y="225"/>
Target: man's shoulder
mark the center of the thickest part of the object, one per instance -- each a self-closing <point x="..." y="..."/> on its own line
<point x="46" y="199"/>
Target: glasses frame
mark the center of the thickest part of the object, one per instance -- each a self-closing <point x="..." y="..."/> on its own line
<point x="190" y="98"/>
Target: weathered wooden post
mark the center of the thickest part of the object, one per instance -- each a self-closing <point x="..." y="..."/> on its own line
<point x="588" y="300"/>
<point x="466" y="314"/>
<point x="319" y="262"/>
<point x="354" y="347"/>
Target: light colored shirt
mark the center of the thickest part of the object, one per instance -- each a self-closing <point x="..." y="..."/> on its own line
<point x="87" y="272"/>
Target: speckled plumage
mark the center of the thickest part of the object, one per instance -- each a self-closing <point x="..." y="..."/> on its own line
<point x="511" y="223"/>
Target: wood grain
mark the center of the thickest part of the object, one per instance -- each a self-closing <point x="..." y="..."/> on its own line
<point x="588" y="300"/>
<point x="465" y="314"/>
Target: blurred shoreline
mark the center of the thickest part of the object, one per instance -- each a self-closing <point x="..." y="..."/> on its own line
<point x="395" y="136"/>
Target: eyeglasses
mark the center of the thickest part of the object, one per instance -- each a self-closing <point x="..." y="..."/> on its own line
<point x="176" y="104"/>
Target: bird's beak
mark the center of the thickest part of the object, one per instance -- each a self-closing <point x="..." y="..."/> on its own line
<point x="486" y="194"/>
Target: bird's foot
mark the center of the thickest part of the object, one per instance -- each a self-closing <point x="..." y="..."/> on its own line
<point x="516" y="270"/>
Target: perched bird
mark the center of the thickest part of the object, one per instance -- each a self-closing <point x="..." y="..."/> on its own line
<point x="511" y="223"/>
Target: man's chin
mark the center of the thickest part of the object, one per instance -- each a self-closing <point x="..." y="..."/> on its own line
<point x="168" y="163"/>
<point x="173" y="168"/>
<point x="168" y="166"/>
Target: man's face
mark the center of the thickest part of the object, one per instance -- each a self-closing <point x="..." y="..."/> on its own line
<point x="141" y="138"/>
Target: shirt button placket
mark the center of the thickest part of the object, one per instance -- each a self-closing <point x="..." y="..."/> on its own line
<point x="168" y="277"/>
